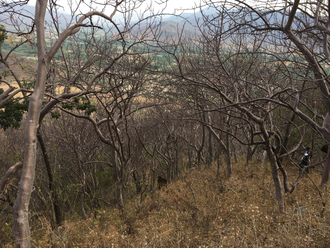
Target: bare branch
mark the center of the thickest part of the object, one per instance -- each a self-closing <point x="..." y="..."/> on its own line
<point x="9" y="173"/>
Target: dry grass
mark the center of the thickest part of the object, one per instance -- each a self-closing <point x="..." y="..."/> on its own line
<point x="200" y="210"/>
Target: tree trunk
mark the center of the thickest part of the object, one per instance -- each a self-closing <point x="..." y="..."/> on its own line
<point x="176" y="159"/>
<point x="137" y="182"/>
<point x="189" y="164"/>
<point x="276" y="178"/>
<point x="169" y="171"/>
<point x="57" y="213"/>
<point x="210" y="153"/>
<point x="199" y="157"/>
<point x="247" y="159"/>
<point x="218" y="159"/>
<point x="227" y="154"/>
<point x="153" y="183"/>
<point x="82" y="204"/>
<point x="117" y="178"/>
<point x="325" y="176"/>
<point x="200" y="150"/>
<point x="120" y="194"/>
<point x="283" y="148"/>
<point x="21" y="207"/>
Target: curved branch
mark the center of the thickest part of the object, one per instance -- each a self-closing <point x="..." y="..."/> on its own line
<point x="75" y="28"/>
<point x="56" y="100"/>
<point x="292" y="15"/>
<point x="9" y="173"/>
<point x="6" y="100"/>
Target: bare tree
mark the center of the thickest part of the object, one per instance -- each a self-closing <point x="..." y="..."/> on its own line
<point x="240" y="79"/>
<point x="46" y="54"/>
<point x="300" y="29"/>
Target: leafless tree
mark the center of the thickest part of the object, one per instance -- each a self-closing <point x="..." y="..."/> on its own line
<point x="240" y="79"/>
<point x="46" y="54"/>
<point x="301" y="30"/>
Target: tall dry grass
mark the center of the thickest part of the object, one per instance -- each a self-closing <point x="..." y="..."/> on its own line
<point x="203" y="210"/>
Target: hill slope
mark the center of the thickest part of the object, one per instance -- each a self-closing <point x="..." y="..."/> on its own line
<point x="200" y="210"/>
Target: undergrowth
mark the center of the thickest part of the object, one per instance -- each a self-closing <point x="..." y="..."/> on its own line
<point x="201" y="209"/>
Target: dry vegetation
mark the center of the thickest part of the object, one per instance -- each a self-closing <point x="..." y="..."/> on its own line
<point x="201" y="210"/>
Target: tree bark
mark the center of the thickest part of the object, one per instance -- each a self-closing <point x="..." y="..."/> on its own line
<point x="169" y="170"/>
<point x="227" y="154"/>
<point x="117" y="177"/>
<point x="210" y="152"/>
<point x="276" y="178"/>
<point x="57" y="213"/>
<point x="325" y="176"/>
<point x="21" y="206"/>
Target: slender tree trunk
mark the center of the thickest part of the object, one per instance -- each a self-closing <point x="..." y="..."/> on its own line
<point x="286" y="136"/>
<point x="228" y="158"/>
<point x="199" y="157"/>
<point x="210" y="146"/>
<point x="21" y="207"/>
<point x="276" y="178"/>
<point x="120" y="193"/>
<point x="137" y="182"/>
<point x="169" y="171"/>
<point x="57" y="213"/>
<point x="82" y="204"/>
<point x="218" y="159"/>
<point x="176" y="159"/>
<point x="326" y="171"/>
<point x="21" y="221"/>
<point x="200" y="150"/>
<point x="153" y="182"/>
<point x="249" y="155"/>
<point x="82" y="193"/>
<point x="117" y="178"/>
<point x="83" y="184"/>
<point x="113" y="162"/>
<point x="210" y="153"/>
<point x="247" y="159"/>
<point x="189" y="164"/>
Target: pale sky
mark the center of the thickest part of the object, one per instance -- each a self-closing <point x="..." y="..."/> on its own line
<point x="180" y="4"/>
<point x="171" y="4"/>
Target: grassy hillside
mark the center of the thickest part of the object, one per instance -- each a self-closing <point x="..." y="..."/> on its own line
<point x="24" y="68"/>
<point x="203" y="210"/>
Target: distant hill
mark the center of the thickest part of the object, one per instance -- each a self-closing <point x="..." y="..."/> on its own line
<point x="27" y="15"/>
<point x="193" y="16"/>
<point x="188" y="21"/>
<point x="170" y="25"/>
<point x="24" y="68"/>
<point x="173" y="29"/>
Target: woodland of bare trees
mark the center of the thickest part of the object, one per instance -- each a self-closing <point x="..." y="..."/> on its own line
<point x="114" y="103"/>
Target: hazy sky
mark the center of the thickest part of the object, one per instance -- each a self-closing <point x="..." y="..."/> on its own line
<point x="171" y="4"/>
<point x="180" y="4"/>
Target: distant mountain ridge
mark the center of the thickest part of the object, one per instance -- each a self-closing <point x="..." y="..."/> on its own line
<point x="28" y="13"/>
<point x="170" y="25"/>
